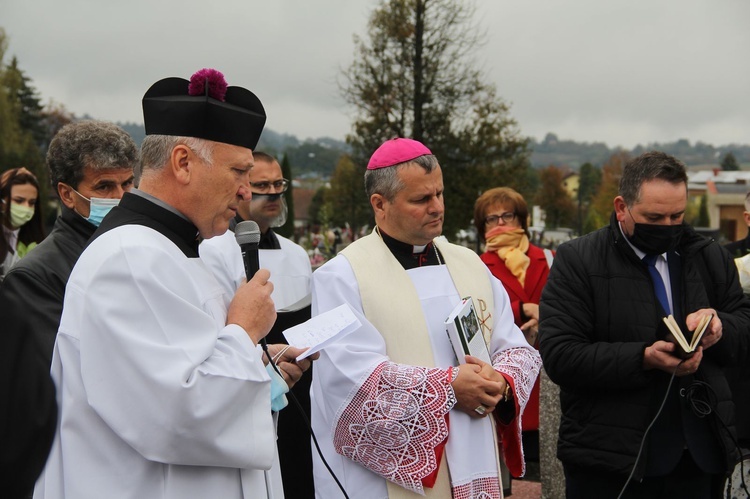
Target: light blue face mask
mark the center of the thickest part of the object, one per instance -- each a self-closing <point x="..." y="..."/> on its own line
<point x="278" y="389"/>
<point x="98" y="208"/>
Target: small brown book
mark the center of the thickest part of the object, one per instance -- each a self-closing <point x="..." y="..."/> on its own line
<point x="688" y="347"/>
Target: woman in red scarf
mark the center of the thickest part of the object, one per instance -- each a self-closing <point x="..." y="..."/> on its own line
<point x="501" y="218"/>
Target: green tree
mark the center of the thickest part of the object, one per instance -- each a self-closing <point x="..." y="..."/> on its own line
<point x="10" y="128"/>
<point x="345" y="200"/>
<point x="287" y="230"/>
<point x="318" y="212"/>
<point x="703" y="219"/>
<point x="592" y="222"/>
<point x="602" y="204"/>
<point x="413" y="76"/>
<point x="25" y="102"/>
<point x="589" y="179"/>
<point x="26" y="127"/>
<point x="552" y="197"/>
<point x="729" y="163"/>
<point x="25" y="113"/>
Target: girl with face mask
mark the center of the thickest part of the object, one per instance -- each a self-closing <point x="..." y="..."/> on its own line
<point x="21" y="216"/>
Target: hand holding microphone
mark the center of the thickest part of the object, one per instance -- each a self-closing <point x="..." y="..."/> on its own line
<point x="252" y="307"/>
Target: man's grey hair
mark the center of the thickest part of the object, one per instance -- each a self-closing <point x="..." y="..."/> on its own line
<point x="97" y="145"/>
<point x="156" y="149"/>
<point x="747" y="202"/>
<point x="385" y="181"/>
<point x="649" y="166"/>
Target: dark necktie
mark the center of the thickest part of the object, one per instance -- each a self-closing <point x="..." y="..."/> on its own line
<point x="659" y="288"/>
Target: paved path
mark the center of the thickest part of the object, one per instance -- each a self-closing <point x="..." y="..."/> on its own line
<point x="526" y="489"/>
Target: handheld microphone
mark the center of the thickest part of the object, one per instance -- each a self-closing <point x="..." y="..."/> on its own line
<point x="247" y="234"/>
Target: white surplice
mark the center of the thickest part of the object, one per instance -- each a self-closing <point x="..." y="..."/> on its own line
<point x="159" y="398"/>
<point x="346" y="367"/>
<point x="289" y="266"/>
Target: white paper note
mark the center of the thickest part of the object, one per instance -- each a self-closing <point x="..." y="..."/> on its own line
<point x="322" y="330"/>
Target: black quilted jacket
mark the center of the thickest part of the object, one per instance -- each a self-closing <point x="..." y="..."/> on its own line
<point x="598" y="313"/>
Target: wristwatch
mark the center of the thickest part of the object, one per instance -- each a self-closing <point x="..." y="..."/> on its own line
<point x="508" y="393"/>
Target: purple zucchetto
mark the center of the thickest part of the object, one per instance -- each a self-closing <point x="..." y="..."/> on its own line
<point x="205" y="108"/>
<point x="396" y="151"/>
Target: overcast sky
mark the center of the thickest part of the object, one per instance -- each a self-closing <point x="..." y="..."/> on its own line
<point x="619" y="71"/>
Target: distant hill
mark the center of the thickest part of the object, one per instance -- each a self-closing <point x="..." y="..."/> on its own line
<point x="554" y="151"/>
<point x="311" y="156"/>
<point x="135" y="130"/>
<point x="321" y="155"/>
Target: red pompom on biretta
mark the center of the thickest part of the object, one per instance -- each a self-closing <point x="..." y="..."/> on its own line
<point x="208" y="82"/>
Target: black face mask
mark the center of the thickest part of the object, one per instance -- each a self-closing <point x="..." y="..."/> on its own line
<point x="655" y="239"/>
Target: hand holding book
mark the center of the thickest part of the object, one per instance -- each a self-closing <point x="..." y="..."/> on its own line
<point x="714" y="330"/>
<point x="663" y="355"/>
<point x="687" y="343"/>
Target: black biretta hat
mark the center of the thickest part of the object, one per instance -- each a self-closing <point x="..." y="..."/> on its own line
<point x="205" y="108"/>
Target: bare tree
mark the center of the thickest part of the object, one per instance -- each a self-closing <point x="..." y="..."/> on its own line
<point x="414" y="76"/>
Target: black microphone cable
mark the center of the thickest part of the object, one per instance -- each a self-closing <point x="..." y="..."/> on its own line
<point x="247" y="234"/>
<point x="301" y="410"/>
<point x="702" y="400"/>
<point x="645" y="434"/>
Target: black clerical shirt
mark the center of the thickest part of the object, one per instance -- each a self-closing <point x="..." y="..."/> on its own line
<point x="267" y="240"/>
<point x="406" y="255"/>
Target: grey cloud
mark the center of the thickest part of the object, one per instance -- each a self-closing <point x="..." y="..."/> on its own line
<point x="617" y="71"/>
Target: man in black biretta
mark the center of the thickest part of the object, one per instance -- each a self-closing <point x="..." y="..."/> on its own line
<point x="162" y="384"/>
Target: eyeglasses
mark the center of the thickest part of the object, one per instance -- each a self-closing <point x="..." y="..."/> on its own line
<point x="265" y="187"/>
<point x="506" y="217"/>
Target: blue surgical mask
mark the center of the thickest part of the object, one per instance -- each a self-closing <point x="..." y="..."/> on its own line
<point x="98" y="208"/>
<point x="278" y="389"/>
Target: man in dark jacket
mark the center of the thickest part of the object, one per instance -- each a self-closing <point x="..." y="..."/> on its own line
<point x="739" y="376"/>
<point x="602" y="339"/>
<point x="742" y="247"/>
<point x="91" y="165"/>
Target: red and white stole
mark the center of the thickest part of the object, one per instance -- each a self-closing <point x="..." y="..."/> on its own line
<point x="390" y="302"/>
